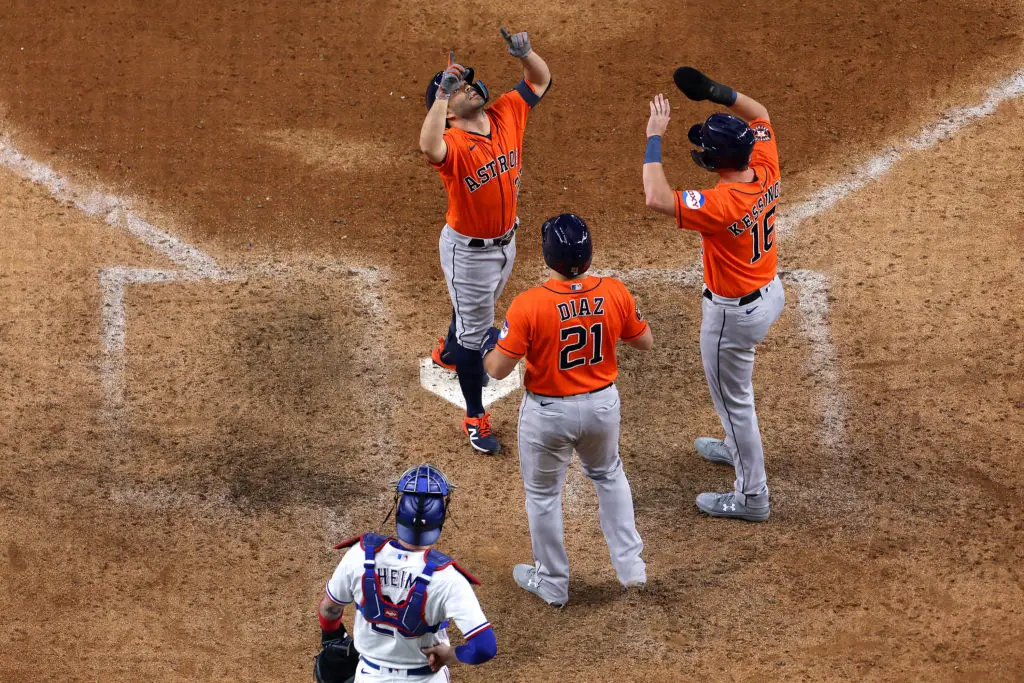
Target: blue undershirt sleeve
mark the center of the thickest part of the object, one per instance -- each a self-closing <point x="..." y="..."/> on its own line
<point x="527" y="93"/>
<point x="481" y="648"/>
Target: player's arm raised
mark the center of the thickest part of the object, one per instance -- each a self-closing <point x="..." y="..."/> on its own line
<point x="432" y="142"/>
<point x="657" y="191"/>
<point x="535" y="69"/>
<point x="698" y="87"/>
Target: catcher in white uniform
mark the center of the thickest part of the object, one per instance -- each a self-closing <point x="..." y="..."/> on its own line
<point x="405" y="595"/>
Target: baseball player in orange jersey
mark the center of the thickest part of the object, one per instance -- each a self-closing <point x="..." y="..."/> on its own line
<point x="742" y="294"/>
<point x="478" y="151"/>
<point x="567" y="330"/>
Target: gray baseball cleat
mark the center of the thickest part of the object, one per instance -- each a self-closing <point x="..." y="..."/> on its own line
<point x="713" y="450"/>
<point x="726" y="505"/>
<point x="526" y="576"/>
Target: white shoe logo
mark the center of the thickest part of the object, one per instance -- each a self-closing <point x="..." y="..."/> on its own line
<point x="729" y="507"/>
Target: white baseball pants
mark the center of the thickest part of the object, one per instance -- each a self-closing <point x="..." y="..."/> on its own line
<point x="476" y="277"/>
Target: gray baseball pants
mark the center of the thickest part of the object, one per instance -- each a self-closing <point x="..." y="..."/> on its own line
<point x="729" y="335"/>
<point x="549" y="430"/>
<point x="476" y="277"/>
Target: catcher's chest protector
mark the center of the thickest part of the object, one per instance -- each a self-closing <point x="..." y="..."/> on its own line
<point x="407" y="616"/>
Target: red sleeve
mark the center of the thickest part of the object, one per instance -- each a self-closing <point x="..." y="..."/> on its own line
<point x="699" y="210"/>
<point x="766" y="148"/>
<point x="515" y="335"/>
<point x="633" y="322"/>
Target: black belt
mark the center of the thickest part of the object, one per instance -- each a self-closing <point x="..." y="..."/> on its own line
<point x="585" y="393"/>
<point x="744" y="300"/>
<point x="496" y="242"/>
<point x="419" y="671"/>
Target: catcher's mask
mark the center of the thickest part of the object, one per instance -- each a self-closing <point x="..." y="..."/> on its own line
<point x="435" y="83"/>
<point x="568" y="248"/>
<point x="422" y="495"/>
<point x="725" y="141"/>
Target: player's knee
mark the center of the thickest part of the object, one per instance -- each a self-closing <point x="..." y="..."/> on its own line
<point x="604" y="473"/>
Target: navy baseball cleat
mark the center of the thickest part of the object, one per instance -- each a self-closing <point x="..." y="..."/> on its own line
<point x="526" y="576"/>
<point x="480" y="435"/>
<point x="713" y="450"/>
<point x="726" y="505"/>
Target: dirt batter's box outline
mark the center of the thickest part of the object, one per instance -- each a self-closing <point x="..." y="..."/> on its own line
<point x="194" y="265"/>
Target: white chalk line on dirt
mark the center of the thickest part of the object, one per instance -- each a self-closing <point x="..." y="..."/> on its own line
<point x="193" y="265"/>
<point x="949" y="124"/>
<point x="115" y="211"/>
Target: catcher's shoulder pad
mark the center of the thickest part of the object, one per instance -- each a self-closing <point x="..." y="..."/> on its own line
<point x="349" y="543"/>
<point x="442" y="561"/>
<point x="374" y="541"/>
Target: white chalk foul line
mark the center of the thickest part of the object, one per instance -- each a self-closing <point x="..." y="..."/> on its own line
<point x="950" y="123"/>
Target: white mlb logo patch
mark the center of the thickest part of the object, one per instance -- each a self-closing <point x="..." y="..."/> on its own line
<point x="576" y="287"/>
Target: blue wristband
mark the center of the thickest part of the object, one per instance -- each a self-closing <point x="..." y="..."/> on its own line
<point x="653" y="153"/>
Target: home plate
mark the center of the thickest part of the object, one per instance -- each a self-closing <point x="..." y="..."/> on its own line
<point x="445" y="384"/>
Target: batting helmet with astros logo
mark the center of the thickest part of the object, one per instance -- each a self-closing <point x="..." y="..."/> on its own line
<point x="725" y="142"/>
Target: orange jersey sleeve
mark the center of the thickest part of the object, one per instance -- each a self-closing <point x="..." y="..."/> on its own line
<point x="568" y="333"/>
<point x="766" y="149"/>
<point x="481" y="173"/>
<point x="516" y="104"/>
<point x="737" y="222"/>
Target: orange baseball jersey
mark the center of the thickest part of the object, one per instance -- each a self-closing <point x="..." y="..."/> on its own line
<point x="568" y="330"/>
<point x="481" y="172"/>
<point x="737" y="222"/>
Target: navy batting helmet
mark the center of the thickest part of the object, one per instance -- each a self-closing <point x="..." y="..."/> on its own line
<point x="469" y="77"/>
<point x="568" y="248"/>
<point x="725" y="141"/>
<point x="421" y="504"/>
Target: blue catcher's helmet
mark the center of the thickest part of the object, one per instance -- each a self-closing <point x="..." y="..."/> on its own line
<point x="421" y="504"/>
<point x="435" y="83"/>
<point x="568" y="248"/>
<point x="725" y="141"/>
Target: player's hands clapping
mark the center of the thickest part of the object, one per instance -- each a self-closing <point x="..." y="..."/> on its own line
<point x="452" y="78"/>
<point x="518" y="43"/>
<point x="661" y="112"/>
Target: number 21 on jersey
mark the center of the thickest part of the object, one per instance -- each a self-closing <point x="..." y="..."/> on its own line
<point x="577" y="338"/>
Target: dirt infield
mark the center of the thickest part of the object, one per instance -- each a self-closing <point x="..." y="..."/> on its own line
<point x="181" y="530"/>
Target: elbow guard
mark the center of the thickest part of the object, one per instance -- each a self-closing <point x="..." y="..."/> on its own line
<point x="481" y="648"/>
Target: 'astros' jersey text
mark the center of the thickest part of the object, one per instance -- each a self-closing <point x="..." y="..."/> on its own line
<point x="568" y="330"/>
<point x="481" y="173"/>
<point x="737" y="222"/>
<point x="449" y="596"/>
